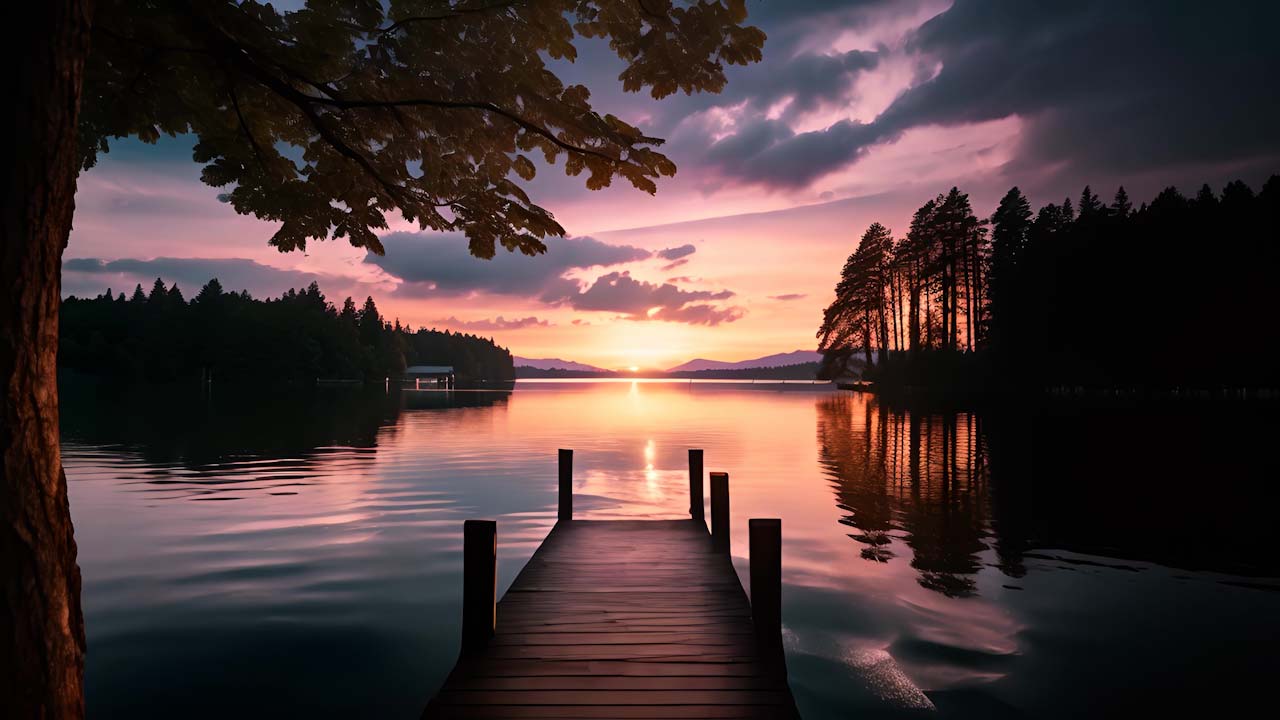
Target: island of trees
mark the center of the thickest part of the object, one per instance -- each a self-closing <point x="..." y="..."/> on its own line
<point x="1176" y="293"/>
<point x="227" y="335"/>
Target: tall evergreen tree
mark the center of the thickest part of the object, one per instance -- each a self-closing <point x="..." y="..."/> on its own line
<point x="1121" y="207"/>
<point x="159" y="293"/>
<point x="370" y="322"/>
<point x="1090" y="207"/>
<point x="877" y="248"/>
<point x="1205" y="199"/>
<point x="917" y="259"/>
<point x="210" y="293"/>
<point x="1011" y="227"/>
<point x="349" y="314"/>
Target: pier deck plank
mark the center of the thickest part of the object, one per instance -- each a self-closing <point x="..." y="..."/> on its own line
<point x="620" y="619"/>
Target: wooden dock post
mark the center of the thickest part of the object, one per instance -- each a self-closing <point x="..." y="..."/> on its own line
<point x="720" y="512"/>
<point x="479" y="583"/>
<point x="766" y="582"/>
<point x="566" y="485"/>
<point x="695" y="486"/>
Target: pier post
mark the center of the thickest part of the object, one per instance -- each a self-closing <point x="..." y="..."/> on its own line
<point x="479" y="582"/>
<point x="720" y="512"/>
<point x="766" y="582"/>
<point x="695" y="486"/>
<point x="566" y="485"/>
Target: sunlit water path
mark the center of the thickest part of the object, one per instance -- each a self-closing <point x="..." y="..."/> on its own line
<point x="289" y="553"/>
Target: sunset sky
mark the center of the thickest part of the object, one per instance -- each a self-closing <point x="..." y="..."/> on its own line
<point x="859" y="112"/>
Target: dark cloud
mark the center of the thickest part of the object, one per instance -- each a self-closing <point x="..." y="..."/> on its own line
<point x="1116" y="86"/>
<point x="90" y="276"/>
<point x="438" y="264"/>
<point x="1102" y="87"/>
<point x="676" y="253"/>
<point x="775" y="16"/>
<point x="640" y="300"/>
<point x="796" y="81"/>
<point x="806" y="81"/>
<point x="785" y="297"/>
<point x="498" y="323"/>
<point x="769" y="153"/>
<point x="672" y="266"/>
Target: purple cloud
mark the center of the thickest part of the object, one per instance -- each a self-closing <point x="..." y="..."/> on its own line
<point x="485" y="324"/>
<point x="675" y="253"/>
<point x="641" y="300"/>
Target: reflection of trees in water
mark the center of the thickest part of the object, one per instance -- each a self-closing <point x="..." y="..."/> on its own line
<point x="1157" y="482"/>
<point x="193" y="426"/>
<point x="916" y="477"/>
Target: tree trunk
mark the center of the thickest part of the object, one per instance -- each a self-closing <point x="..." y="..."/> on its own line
<point x="866" y="339"/>
<point x="928" y="317"/>
<point x="883" y="319"/>
<point x="968" y="303"/>
<point x="953" y="283"/>
<point x="913" y="319"/>
<point x="898" y="316"/>
<point x="42" y="642"/>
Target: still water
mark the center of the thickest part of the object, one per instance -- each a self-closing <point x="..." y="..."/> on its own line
<point x="262" y="554"/>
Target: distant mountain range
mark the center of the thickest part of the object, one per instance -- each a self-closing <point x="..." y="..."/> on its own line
<point x="555" y="364"/>
<point x="795" y="357"/>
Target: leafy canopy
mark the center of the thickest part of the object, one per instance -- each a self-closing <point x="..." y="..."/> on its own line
<point x="328" y="117"/>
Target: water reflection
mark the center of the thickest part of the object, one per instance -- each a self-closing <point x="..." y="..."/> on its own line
<point x="1069" y="546"/>
<point x="912" y="478"/>
<point x="1042" y="561"/>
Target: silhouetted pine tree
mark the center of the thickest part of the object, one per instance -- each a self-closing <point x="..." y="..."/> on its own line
<point x="1120" y="206"/>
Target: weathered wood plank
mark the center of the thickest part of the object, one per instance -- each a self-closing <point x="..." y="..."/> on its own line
<point x="617" y="682"/>
<point x="507" y="667"/>
<point x="611" y="697"/>
<point x="608" y="712"/>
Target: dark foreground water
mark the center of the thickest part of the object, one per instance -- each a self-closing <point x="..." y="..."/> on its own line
<point x="288" y="554"/>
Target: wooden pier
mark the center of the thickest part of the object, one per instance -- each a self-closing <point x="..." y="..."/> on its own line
<point x="623" y="619"/>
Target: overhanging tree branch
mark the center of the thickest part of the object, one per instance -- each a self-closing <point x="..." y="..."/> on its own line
<point x="244" y="126"/>
<point x="483" y="106"/>
<point x="457" y="12"/>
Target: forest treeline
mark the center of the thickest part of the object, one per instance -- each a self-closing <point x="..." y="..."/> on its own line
<point x="1175" y="293"/>
<point x="298" y="337"/>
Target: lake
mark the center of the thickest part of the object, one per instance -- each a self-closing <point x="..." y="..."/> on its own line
<point x="252" y="553"/>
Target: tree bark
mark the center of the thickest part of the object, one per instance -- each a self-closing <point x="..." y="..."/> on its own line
<point x="914" y="309"/>
<point x="42" y="641"/>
